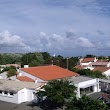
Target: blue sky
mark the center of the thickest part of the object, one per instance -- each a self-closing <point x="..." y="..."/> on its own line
<point x="66" y="27"/>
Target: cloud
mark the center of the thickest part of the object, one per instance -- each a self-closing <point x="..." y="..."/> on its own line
<point x="100" y="32"/>
<point x="41" y="24"/>
<point x="12" y="42"/>
<point x="84" y="42"/>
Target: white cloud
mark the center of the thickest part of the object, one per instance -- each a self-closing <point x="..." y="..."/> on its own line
<point x="12" y="41"/>
<point x="84" y="42"/>
<point x="42" y="34"/>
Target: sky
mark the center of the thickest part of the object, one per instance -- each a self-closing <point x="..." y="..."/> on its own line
<point x="63" y="27"/>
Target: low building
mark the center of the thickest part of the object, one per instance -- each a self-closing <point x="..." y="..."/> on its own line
<point x="18" y="91"/>
<point x="87" y="61"/>
<point x="101" y="64"/>
<point x="85" y="85"/>
<point x="104" y="70"/>
<point x="79" y="67"/>
<point x="45" y="73"/>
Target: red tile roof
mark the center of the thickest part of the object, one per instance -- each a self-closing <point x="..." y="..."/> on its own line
<point x="85" y="60"/>
<point x="79" y="67"/>
<point x="25" y="78"/>
<point x="101" y="69"/>
<point x="104" y="60"/>
<point x="49" y="72"/>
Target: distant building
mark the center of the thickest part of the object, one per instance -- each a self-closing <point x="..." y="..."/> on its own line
<point x="105" y="70"/>
<point x="87" y="61"/>
<point x="100" y="64"/>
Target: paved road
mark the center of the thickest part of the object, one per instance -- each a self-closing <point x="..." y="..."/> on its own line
<point x="11" y="106"/>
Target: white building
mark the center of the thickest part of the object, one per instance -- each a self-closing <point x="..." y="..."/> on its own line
<point x="85" y="85"/>
<point x="101" y="64"/>
<point x="18" y="91"/>
<point x="87" y="61"/>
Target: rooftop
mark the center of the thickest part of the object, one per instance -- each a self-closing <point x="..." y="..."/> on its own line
<point x="99" y="63"/>
<point x="101" y="69"/>
<point x="85" y="60"/>
<point x="25" y="78"/>
<point x="47" y="73"/>
<point x="14" y="86"/>
<point x="79" y="79"/>
<point x="78" y="67"/>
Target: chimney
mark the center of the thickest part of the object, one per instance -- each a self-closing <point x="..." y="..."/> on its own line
<point x="26" y="66"/>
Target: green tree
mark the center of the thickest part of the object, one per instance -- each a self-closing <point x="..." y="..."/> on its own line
<point x="32" y="59"/>
<point x="46" y="57"/>
<point x="59" y="91"/>
<point x="11" y="72"/>
<point x="86" y="103"/>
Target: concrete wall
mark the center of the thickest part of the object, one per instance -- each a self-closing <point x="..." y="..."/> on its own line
<point x="93" y="82"/>
<point x="9" y="98"/>
<point x="106" y="73"/>
<point x="3" y="75"/>
<point x="85" y="64"/>
<point x="19" y="97"/>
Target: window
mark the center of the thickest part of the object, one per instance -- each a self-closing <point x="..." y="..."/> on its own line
<point x="11" y="93"/>
<point x="0" y="92"/>
<point x="5" y="93"/>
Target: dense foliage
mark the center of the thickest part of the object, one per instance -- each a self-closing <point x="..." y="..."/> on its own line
<point x="88" y="72"/>
<point x="62" y="94"/>
<point x="59" y="91"/>
<point x="36" y="59"/>
<point x="10" y="70"/>
<point x="86" y="103"/>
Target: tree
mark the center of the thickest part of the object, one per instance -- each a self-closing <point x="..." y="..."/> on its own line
<point x="33" y="59"/>
<point x="86" y="103"/>
<point x="60" y="92"/>
<point x="89" y="56"/>
<point x="88" y="72"/>
<point x="11" y="72"/>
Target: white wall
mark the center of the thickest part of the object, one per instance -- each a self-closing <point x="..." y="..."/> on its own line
<point x="85" y="64"/>
<point x="89" y="67"/>
<point x="8" y="98"/>
<point x="93" y="82"/>
<point x="85" y="83"/>
<point x="108" y="65"/>
<point x="106" y="73"/>
<point x="22" y="73"/>
<point x="3" y="75"/>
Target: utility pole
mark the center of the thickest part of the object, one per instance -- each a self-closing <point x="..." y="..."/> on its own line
<point x="67" y="63"/>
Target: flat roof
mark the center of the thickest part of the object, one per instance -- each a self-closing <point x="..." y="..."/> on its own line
<point x="104" y="80"/>
<point x="79" y="79"/>
<point x="15" y="86"/>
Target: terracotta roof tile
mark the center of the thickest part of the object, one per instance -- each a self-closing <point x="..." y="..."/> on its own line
<point x="25" y="78"/>
<point x="78" y="67"/>
<point x="49" y="72"/>
<point x="101" y="69"/>
<point x="85" y="60"/>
